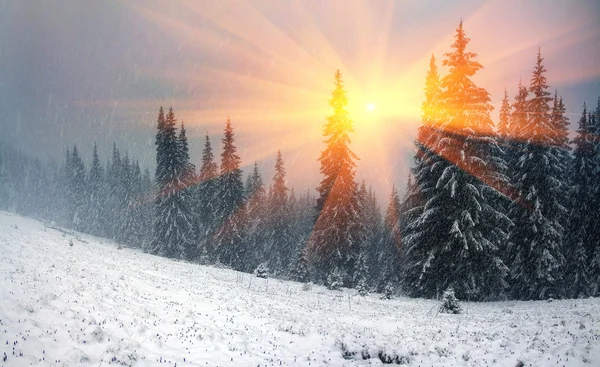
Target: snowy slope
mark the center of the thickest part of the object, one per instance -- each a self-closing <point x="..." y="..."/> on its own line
<point x="95" y="304"/>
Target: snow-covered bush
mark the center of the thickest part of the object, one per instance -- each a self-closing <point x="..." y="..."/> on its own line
<point x="262" y="271"/>
<point x="450" y="303"/>
<point x="335" y="280"/>
<point x="362" y="289"/>
<point x="388" y="291"/>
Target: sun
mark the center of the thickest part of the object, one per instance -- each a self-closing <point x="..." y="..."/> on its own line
<point x="370" y="107"/>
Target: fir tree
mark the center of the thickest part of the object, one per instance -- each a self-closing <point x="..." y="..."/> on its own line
<point x="257" y="206"/>
<point x="231" y="212"/>
<point x="535" y="251"/>
<point x="187" y="178"/>
<point x="113" y="199"/>
<point x="206" y="199"/>
<point x="594" y="233"/>
<point x="336" y="239"/>
<point x="579" y="236"/>
<point x="390" y="256"/>
<point x="173" y="231"/>
<point x="300" y="272"/>
<point x="280" y="246"/>
<point x="455" y="240"/>
<point x="96" y="198"/>
<point x="504" y="129"/>
<point x="77" y="190"/>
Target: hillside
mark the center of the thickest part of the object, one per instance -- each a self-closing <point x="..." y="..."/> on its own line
<point x="93" y="303"/>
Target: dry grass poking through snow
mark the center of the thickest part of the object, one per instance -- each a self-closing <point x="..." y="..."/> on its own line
<point x="94" y="304"/>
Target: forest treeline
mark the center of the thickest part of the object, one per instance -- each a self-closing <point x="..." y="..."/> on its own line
<point x="495" y="210"/>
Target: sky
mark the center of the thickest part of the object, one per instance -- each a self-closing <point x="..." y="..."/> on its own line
<point x="84" y="71"/>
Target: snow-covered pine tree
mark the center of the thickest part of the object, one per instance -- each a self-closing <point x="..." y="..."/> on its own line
<point x="389" y="259"/>
<point x="373" y="243"/>
<point x="504" y="130"/>
<point x="173" y="231"/>
<point x="594" y="234"/>
<point x="113" y="198"/>
<point x="206" y="200"/>
<point x="578" y="251"/>
<point x="506" y="139"/>
<point x="187" y="179"/>
<point x="77" y="191"/>
<point x="126" y="221"/>
<point x="279" y="243"/>
<point x="360" y="275"/>
<point x="455" y="240"/>
<point x="96" y="197"/>
<point x="536" y="239"/>
<point x="337" y="236"/>
<point x="419" y="192"/>
<point x="231" y="213"/>
<point x="301" y="272"/>
<point x="257" y="207"/>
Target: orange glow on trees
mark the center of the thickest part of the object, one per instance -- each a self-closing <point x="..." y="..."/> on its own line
<point x="336" y="239"/>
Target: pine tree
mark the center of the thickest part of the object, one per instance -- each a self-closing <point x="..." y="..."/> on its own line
<point x="301" y="272"/>
<point x="373" y="244"/>
<point x="96" y="198"/>
<point x="126" y="221"/>
<point x="173" y="228"/>
<point x="206" y="199"/>
<point x="428" y="133"/>
<point x="280" y="245"/>
<point x="594" y="234"/>
<point x="455" y="240"/>
<point x="257" y="207"/>
<point x="504" y="128"/>
<point x="77" y="190"/>
<point x="188" y="170"/>
<point x="336" y="239"/>
<point x="583" y="183"/>
<point x="231" y="212"/>
<point x="390" y="256"/>
<point x="535" y="251"/>
<point x="113" y="199"/>
<point x="187" y="178"/>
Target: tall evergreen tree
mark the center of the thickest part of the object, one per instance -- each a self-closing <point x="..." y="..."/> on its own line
<point x="594" y="234"/>
<point x="504" y="129"/>
<point x="113" y="199"/>
<point x="280" y="245"/>
<point x="231" y="212"/>
<point x="96" y="198"/>
<point x="206" y="193"/>
<point x="173" y="228"/>
<point x="336" y="239"/>
<point x="390" y="256"/>
<point x="579" y="252"/>
<point x="257" y="207"/>
<point x="536" y="240"/>
<point x="455" y="240"/>
<point x="188" y="170"/>
<point x="77" y="190"/>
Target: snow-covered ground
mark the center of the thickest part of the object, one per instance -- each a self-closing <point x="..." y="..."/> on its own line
<point x="95" y="304"/>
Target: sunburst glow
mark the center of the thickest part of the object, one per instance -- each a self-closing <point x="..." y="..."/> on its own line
<point x="273" y="74"/>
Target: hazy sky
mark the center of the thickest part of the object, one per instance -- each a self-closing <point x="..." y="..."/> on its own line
<point x="75" y="71"/>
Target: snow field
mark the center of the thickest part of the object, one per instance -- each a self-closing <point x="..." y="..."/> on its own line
<point x="95" y="304"/>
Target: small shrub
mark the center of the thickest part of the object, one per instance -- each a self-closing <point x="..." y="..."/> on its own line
<point x="362" y="289"/>
<point x="388" y="292"/>
<point x="262" y="271"/>
<point x="450" y="303"/>
<point x="307" y="286"/>
<point x="334" y="280"/>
